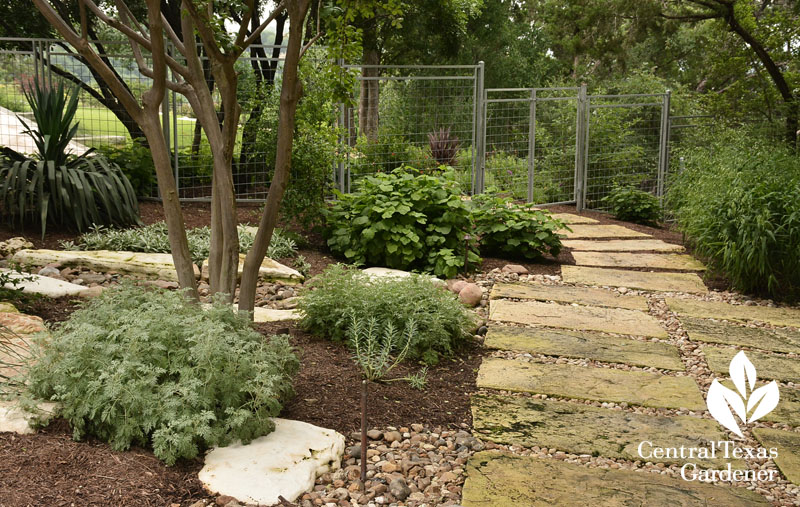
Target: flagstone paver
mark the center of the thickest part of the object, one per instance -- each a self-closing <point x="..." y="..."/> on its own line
<point x="776" y="340"/>
<point x="585" y="345"/>
<point x="497" y="479"/>
<point x="788" y="444"/>
<point x="776" y="367"/>
<point x="719" y="310"/>
<point x="621" y="245"/>
<point x="589" y="231"/>
<point x="581" y="318"/>
<point x="571" y="218"/>
<point x="567" y="294"/>
<point x="669" y="282"/>
<point x="681" y="262"/>
<point x="589" y="383"/>
<point x="584" y="429"/>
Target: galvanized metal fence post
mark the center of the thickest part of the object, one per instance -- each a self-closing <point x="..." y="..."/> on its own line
<point x="531" y="144"/>
<point x="479" y="161"/>
<point x="581" y="147"/>
<point x="663" y="153"/>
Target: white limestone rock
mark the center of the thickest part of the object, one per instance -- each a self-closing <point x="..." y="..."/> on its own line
<point x="44" y="285"/>
<point x="390" y="273"/>
<point x="270" y="270"/>
<point x="284" y="463"/>
<point x="14" y="419"/>
<point x="271" y="315"/>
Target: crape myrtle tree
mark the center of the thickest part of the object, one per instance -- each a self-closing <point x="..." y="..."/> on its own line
<point x="202" y="23"/>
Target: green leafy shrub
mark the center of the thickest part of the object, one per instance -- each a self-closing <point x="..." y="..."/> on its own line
<point x="441" y="321"/>
<point x="403" y="220"/>
<point x="135" y="161"/>
<point x="633" y="205"/>
<point x="148" y="367"/>
<point x="739" y="204"/>
<point x="384" y="154"/>
<point x="153" y="238"/>
<point x="505" y="228"/>
<point x="72" y="191"/>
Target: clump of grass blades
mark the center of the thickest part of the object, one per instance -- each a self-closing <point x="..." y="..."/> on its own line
<point x="444" y="146"/>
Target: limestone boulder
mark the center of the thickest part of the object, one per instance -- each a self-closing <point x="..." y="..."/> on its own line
<point x="13" y="245"/>
<point x="284" y="463"/>
<point x="14" y="419"/>
<point x="270" y="270"/>
<point x="44" y="285"/>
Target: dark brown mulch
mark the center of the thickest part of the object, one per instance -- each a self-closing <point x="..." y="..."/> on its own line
<point x="49" y="468"/>
<point x="328" y="388"/>
<point x="50" y="310"/>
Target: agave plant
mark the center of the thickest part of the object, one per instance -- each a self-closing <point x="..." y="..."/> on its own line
<point x="444" y="146"/>
<point x="56" y="186"/>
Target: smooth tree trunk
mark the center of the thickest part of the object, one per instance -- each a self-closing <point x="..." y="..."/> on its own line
<point x="291" y="91"/>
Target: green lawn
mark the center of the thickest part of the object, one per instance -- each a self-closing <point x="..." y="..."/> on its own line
<point x="102" y="127"/>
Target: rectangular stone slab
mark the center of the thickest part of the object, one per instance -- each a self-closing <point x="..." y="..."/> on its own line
<point x="672" y="261"/>
<point x="788" y="444"/>
<point x="580" y="318"/>
<point x="585" y="345"/>
<point x="667" y="282"/>
<point x="584" y="429"/>
<point x="712" y="331"/>
<point x="571" y="218"/>
<point x="496" y="479"/>
<point x="621" y="245"/>
<point x="591" y="231"/>
<point x="588" y="383"/>
<point x="568" y="294"/>
<point x="720" y="310"/>
<point x="767" y="365"/>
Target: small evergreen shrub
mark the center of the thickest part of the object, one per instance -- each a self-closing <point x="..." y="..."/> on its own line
<point x="403" y="220"/>
<point x="147" y="367"/>
<point x="633" y="205"/>
<point x="505" y="228"/>
<point x="441" y="321"/>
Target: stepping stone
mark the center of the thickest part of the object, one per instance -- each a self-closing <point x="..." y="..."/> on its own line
<point x="638" y="260"/>
<point x="571" y="218"/>
<point x="770" y="366"/>
<point x="270" y="270"/>
<point x="711" y="331"/>
<point x="496" y="479"/>
<point x="284" y="463"/>
<point x="568" y="294"/>
<point x="272" y="315"/>
<point x="585" y="345"/>
<point x="587" y="383"/>
<point x="581" y="231"/>
<point x="667" y="282"/>
<point x="148" y="265"/>
<point x="584" y="429"/>
<point x="720" y="310"/>
<point x="622" y="245"/>
<point x="788" y="445"/>
<point x="44" y="285"/>
<point x="580" y="318"/>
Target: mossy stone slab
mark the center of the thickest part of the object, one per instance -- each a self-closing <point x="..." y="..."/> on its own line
<point x="585" y="345"/>
<point x="580" y="318"/>
<point x="497" y="479"/>
<point x="588" y="383"/>
<point x="621" y="245"/>
<point x="572" y="218"/>
<point x="767" y="365"/>
<point x="672" y="261"/>
<point x="568" y="294"/>
<point x="788" y="444"/>
<point x="593" y="231"/>
<point x="667" y="282"/>
<point x="719" y="310"/>
<point x="584" y="429"/>
<point x="710" y="331"/>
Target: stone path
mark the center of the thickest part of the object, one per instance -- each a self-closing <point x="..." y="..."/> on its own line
<point x="586" y="371"/>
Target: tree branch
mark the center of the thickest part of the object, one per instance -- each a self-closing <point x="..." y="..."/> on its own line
<point x="256" y="34"/>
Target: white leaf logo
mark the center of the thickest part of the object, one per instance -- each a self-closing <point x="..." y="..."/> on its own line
<point x="724" y="403"/>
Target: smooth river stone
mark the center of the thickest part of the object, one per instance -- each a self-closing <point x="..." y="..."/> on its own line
<point x="667" y="282"/>
<point x="584" y="429"/>
<point x="710" y="331"/>
<point x="568" y="294"/>
<point x="769" y="366"/>
<point x="725" y="311"/>
<point x="591" y="231"/>
<point x="621" y="245"/>
<point x="788" y="445"/>
<point x="585" y="345"/>
<point x="579" y="318"/>
<point x="638" y="260"/>
<point x="496" y="479"/>
<point x="590" y="383"/>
